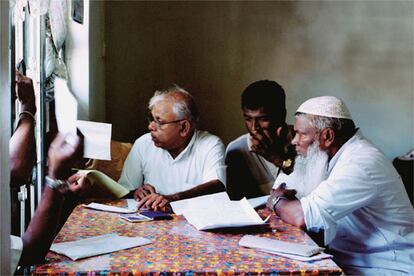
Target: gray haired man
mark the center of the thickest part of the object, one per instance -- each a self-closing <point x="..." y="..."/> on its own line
<point x="174" y="160"/>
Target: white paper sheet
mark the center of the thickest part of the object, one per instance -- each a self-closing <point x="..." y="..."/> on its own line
<point x="313" y="258"/>
<point x="66" y="107"/>
<point x="258" y="201"/>
<point x="213" y="214"/>
<point x="109" y="208"/>
<point x="132" y="204"/>
<point x="182" y="205"/>
<point x="97" y="245"/>
<point x="274" y="245"/>
<point x="97" y="142"/>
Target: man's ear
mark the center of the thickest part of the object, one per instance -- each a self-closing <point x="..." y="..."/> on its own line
<point x="327" y="138"/>
<point x="185" y="128"/>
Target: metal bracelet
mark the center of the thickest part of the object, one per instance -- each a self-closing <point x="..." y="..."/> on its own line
<point x="28" y="113"/>
<point x="54" y="183"/>
<point x="275" y="201"/>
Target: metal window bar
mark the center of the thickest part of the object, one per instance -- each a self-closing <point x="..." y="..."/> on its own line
<point x="28" y="44"/>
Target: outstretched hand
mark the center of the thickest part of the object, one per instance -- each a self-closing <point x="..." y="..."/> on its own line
<point x="25" y="93"/>
<point x="154" y="201"/>
<point x="144" y="191"/>
<point x="63" y="152"/>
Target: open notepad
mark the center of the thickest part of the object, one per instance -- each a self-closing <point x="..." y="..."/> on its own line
<point x="217" y="211"/>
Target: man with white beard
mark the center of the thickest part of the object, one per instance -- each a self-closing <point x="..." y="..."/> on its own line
<point x="309" y="171"/>
<point x="361" y="204"/>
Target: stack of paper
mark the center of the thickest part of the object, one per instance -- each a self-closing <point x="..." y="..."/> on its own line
<point x="97" y="245"/>
<point x="217" y="211"/>
<point x="301" y="252"/>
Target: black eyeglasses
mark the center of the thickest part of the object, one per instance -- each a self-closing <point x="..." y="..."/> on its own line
<point x="159" y="124"/>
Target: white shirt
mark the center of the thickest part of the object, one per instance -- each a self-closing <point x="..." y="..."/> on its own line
<point x="16" y="248"/>
<point x="201" y="161"/>
<point x="364" y="210"/>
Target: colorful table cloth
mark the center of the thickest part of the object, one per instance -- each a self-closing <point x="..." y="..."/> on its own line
<point x="178" y="248"/>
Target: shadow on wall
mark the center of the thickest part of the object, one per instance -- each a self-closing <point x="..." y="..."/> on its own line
<point x="214" y="50"/>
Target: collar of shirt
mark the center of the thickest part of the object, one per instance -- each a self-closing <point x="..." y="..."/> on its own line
<point x="334" y="159"/>
<point x="187" y="149"/>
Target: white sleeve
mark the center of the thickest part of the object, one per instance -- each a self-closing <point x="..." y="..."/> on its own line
<point x="348" y="188"/>
<point x="214" y="167"/>
<point x="293" y="182"/>
<point x="131" y="176"/>
<point x="16" y="245"/>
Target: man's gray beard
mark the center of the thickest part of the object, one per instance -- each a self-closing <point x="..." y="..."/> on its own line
<point x="310" y="170"/>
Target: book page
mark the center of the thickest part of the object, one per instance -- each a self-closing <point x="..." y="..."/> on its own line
<point x="211" y="214"/>
<point x="179" y="207"/>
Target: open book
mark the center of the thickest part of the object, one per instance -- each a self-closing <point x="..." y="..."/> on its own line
<point x="217" y="211"/>
<point x="104" y="183"/>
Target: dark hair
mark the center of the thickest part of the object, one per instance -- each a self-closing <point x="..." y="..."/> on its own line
<point x="268" y="95"/>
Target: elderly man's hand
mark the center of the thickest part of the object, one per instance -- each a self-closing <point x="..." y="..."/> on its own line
<point x="279" y="192"/>
<point x="154" y="201"/>
<point x="144" y="191"/>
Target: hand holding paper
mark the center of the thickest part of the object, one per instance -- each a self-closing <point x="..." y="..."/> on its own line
<point x="95" y="184"/>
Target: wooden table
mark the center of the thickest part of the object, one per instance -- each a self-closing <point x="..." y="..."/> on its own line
<point x="177" y="248"/>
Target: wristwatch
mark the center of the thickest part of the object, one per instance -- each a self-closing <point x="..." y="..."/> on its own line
<point x="276" y="200"/>
<point x="54" y="183"/>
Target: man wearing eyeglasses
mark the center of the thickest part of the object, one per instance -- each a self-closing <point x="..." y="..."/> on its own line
<point x="255" y="159"/>
<point x="174" y="160"/>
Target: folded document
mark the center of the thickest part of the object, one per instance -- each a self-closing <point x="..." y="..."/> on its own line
<point x="97" y="245"/>
<point x="272" y="245"/>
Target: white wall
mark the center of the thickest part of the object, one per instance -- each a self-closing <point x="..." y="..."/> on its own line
<point x="84" y="57"/>
<point x="4" y="139"/>
<point x="361" y="51"/>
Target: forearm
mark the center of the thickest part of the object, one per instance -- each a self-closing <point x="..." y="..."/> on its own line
<point x="42" y="228"/>
<point x="22" y="151"/>
<point x="210" y="187"/>
<point x="291" y="212"/>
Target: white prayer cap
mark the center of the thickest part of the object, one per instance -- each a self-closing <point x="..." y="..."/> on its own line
<point x="327" y="106"/>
